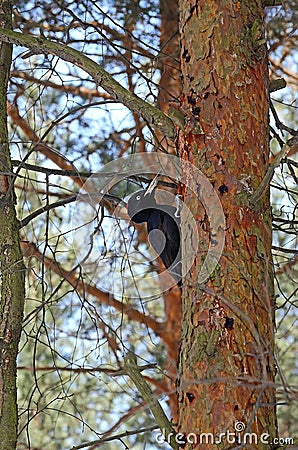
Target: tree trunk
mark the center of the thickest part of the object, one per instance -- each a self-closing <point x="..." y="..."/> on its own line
<point x="226" y="360"/>
<point x="11" y="264"/>
<point x="170" y="89"/>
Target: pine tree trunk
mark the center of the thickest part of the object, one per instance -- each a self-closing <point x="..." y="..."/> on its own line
<point x="11" y="264"/>
<point x="169" y="90"/>
<point x="226" y="361"/>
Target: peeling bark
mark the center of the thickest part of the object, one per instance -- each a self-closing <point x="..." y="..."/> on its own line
<point x="226" y="359"/>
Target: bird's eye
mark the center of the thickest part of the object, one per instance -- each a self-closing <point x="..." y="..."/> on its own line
<point x="138" y="197"/>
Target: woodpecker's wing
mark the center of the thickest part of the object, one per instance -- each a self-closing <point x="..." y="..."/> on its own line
<point x="163" y="228"/>
<point x="168" y="226"/>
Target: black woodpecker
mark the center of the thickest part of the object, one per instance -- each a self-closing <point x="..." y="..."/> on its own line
<point x="163" y="227"/>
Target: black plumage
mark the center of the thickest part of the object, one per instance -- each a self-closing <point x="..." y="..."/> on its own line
<point x="163" y="228"/>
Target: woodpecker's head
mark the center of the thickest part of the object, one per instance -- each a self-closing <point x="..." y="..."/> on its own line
<point x="141" y="201"/>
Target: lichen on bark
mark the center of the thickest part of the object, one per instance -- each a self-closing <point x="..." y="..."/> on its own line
<point x="226" y="358"/>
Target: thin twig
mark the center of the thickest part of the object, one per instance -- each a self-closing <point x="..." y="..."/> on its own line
<point x="96" y="197"/>
<point x="113" y="438"/>
<point x="132" y="369"/>
<point x="263" y="186"/>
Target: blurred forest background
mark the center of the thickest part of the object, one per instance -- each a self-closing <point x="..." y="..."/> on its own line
<point x="63" y="128"/>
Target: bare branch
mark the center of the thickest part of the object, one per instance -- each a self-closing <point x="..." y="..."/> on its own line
<point x="286" y="268"/>
<point x="29" y="250"/>
<point x="114" y="438"/>
<point x="64" y="201"/>
<point x="263" y="186"/>
<point x="40" y="146"/>
<point x="276" y="85"/>
<point x="38" y="45"/>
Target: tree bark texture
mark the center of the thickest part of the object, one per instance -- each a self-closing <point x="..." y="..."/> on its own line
<point x="11" y="264"/>
<point x="226" y="359"/>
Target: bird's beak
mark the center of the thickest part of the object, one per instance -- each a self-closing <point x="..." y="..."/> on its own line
<point x="152" y="185"/>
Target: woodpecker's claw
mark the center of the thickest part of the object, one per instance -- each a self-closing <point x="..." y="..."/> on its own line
<point x="179" y="205"/>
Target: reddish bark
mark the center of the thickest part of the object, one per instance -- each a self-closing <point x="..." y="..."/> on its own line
<point x="226" y="363"/>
